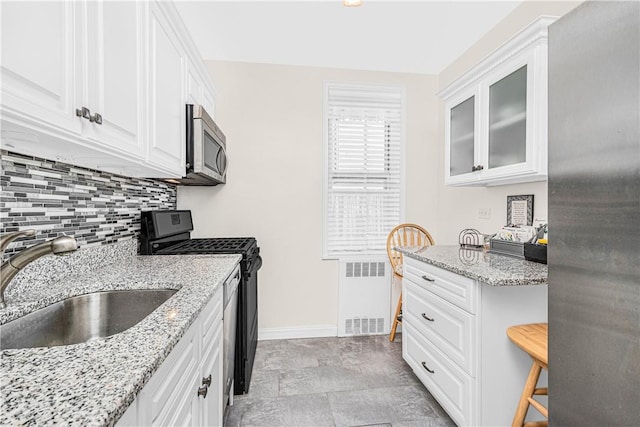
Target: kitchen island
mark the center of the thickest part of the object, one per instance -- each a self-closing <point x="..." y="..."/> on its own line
<point x="486" y="267"/>
<point x="94" y="383"/>
<point x="457" y="305"/>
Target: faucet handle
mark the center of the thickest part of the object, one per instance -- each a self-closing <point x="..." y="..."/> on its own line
<point x="10" y="237"/>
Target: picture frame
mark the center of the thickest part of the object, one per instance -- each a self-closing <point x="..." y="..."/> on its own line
<point x="520" y="210"/>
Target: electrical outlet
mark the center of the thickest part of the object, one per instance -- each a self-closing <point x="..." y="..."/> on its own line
<point x="484" y="213"/>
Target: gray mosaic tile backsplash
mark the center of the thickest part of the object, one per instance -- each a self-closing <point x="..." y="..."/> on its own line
<point x="60" y="199"/>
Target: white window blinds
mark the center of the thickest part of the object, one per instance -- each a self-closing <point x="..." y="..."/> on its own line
<point x="363" y="177"/>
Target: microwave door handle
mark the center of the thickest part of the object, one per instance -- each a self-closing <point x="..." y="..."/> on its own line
<point x="226" y="160"/>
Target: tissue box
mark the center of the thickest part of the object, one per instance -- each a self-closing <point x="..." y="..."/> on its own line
<point x="535" y="252"/>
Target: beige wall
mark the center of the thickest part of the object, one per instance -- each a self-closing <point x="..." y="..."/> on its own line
<point x="458" y="207"/>
<point x="272" y="116"/>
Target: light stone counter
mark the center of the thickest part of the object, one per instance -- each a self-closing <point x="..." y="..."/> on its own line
<point x="94" y="383"/>
<point x="492" y="269"/>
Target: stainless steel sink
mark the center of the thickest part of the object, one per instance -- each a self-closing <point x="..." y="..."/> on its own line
<point x="82" y="318"/>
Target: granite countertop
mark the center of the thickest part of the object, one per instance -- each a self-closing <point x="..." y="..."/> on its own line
<point x="95" y="382"/>
<point x="490" y="268"/>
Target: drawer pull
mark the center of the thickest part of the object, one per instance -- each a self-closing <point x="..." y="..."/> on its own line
<point x="427" y="318"/>
<point x="85" y="113"/>
<point x="428" y="279"/>
<point x="424" y="365"/>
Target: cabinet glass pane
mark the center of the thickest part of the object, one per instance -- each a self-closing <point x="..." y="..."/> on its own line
<point x="508" y="120"/>
<point x="462" y="137"/>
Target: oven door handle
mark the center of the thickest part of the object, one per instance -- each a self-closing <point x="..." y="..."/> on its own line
<point x="254" y="266"/>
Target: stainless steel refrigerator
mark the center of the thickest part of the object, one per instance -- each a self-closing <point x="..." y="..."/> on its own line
<point x="594" y="216"/>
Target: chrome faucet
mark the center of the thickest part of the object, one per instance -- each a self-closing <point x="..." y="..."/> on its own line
<point x="13" y="265"/>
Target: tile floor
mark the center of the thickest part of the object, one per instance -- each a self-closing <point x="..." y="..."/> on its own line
<point x="356" y="381"/>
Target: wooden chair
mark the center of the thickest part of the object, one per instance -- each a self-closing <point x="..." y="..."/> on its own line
<point x="404" y="235"/>
<point x="532" y="339"/>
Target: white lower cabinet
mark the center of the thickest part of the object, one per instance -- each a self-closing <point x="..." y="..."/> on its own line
<point x="445" y="380"/>
<point x="212" y="406"/>
<point x="186" y="389"/>
<point x="454" y="338"/>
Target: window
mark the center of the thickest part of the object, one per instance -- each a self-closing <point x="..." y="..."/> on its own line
<point x="363" y="185"/>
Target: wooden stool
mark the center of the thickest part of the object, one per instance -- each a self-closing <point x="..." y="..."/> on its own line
<point x="532" y="339"/>
<point x="403" y="235"/>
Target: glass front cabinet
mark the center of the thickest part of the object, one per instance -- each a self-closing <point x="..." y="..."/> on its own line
<point x="496" y="114"/>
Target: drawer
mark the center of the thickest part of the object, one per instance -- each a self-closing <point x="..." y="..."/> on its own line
<point x="451" y="387"/>
<point x="454" y="288"/>
<point x="447" y="326"/>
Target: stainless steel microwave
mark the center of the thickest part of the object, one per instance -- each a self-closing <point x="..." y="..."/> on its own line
<point x="206" y="159"/>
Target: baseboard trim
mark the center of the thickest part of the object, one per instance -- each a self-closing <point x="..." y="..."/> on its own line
<point x="319" y="331"/>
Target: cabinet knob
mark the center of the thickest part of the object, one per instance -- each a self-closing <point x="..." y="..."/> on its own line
<point x="424" y="365"/>
<point x="428" y="279"/>
<point x="97" y="118"/>
<point x="83" y="112"/>
<point x="207" y="381"/>
<point x="202" y="391"/>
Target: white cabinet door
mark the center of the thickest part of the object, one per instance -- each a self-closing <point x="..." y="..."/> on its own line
<point x="171" y="391"/>
<point x="186" y="389"/>
<point x="185" y="407"/>
<point x="167" y="63"/>
<point x="462" y="138"/>
<point x="38" y="67"/>
<point x="113" y="72"/>
<point x="211" y="373"/>
<point x="515" y="120"/>
<point x="211" y="368"/>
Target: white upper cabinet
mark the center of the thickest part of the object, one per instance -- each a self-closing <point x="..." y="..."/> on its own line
<point x="113" y="73"/>
<point x="38" y="63"/>
<point x="177" y="76"/>
<point x="167" y="72"/>
<point x="496" y="114"/>
<point x="100" y="84"/>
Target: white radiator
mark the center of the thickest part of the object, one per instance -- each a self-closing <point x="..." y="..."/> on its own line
<point x="364" y="293"/>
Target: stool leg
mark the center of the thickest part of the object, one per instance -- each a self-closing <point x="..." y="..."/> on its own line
<point x="394" y="326"/>
<point x="529" y="387"/>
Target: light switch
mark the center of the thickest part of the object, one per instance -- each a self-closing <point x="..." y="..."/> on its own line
<point x="484" y="213"/>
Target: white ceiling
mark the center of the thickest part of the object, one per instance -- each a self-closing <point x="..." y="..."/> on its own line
<point x="400" y="36"/>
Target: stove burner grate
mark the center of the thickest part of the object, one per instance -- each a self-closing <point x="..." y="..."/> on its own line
<point x="241" y="245"/>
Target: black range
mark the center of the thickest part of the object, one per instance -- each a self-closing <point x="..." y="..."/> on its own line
<point x="168" y="232"/>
